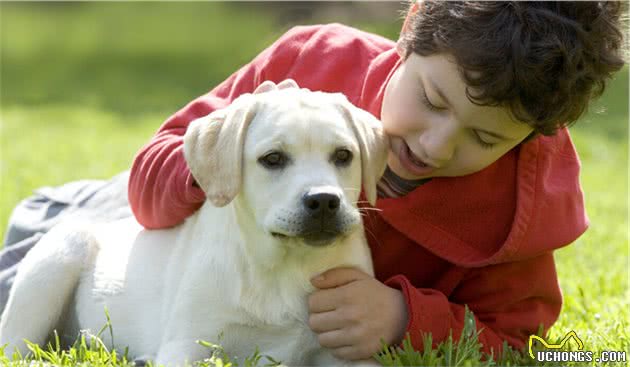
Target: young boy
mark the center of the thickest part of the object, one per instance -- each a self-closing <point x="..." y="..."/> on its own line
<point x="482" y="180"/>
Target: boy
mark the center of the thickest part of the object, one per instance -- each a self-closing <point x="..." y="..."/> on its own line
<point x="482" y="180"/>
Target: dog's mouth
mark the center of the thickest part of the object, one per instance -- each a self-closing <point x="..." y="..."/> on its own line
<point x="312" y="238"/>
<point x="279" y="235"/>
<point x="320" y="238"/>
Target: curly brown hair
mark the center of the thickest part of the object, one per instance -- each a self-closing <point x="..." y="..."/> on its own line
<point x="543" y="60"/>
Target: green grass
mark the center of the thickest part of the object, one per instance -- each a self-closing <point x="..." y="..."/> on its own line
<point x="90" y="350"/>
<point x="84" y="85"/>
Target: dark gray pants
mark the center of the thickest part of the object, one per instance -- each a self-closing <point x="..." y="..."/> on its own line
<point x="97" y="200"/>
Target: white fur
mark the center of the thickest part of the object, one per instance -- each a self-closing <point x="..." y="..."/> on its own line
<point x="221" y="271"/>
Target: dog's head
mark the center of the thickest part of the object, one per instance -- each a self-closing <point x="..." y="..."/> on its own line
<point x="296" y="159"/>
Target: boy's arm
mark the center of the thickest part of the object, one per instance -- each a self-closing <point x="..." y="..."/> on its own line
<point x="161" y="189"/>
<point x="510" y="301"/>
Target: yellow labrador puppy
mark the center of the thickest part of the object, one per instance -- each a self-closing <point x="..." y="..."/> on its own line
<point x="282" y="171"/>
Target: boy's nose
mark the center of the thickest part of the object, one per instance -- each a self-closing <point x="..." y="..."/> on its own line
<point x="439" y="145"/>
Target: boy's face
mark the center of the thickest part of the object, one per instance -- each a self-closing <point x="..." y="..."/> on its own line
<point x="435" y="130"/>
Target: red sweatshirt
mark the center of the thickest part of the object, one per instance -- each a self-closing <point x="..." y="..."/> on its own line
<point x="483" y="240"/>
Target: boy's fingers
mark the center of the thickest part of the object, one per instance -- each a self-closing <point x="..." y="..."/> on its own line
<point x="325" y="321"/>
<point x="287" y="83"/>
<point x="323" y="300"/>
<point x="266" y="86"/>
<point x="334" y="339"/>
<point x="337" y="277"/>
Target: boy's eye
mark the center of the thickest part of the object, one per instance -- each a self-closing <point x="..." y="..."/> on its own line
<point x="484" y="144"/>
<point x="427" y="103"/>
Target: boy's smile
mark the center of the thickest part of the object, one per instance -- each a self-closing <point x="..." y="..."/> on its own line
<point x="410" y="161"/>
<point x="435" y="129"/>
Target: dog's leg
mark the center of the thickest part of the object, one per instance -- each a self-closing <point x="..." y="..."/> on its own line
<point x="43" y="285"/>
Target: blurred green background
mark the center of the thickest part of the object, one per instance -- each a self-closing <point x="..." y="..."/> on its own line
<point x="84" y="85"/>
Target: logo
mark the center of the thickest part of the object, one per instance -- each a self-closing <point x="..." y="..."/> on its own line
<point x="555" y="353"/>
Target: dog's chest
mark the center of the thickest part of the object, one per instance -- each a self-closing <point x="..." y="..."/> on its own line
<point x="271" y="317"/>
<point x="291" y="343"/>
<point x="279" y="300"/>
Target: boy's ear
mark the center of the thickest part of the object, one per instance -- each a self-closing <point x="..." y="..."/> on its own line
<point x="410" y="14"/>
<point x="400" y="50"/>
<point x="413" y="10"/>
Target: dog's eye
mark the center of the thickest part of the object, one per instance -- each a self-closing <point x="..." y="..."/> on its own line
<point x="273" y="160"/>
<point x="342" y="157"/>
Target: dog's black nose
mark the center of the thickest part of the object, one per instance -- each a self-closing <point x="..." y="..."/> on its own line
<point x="321" y="204"/>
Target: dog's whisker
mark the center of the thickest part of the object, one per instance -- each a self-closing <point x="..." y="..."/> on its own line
<point x="372" y="209"/>
<point x="367" y="230"/>
<point x="351" y="188"/>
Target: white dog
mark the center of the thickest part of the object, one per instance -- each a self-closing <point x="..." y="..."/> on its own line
<point x="282" y="171"/>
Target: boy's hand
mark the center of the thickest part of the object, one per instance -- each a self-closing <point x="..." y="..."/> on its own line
<point x="351" y="312"/>
<point x="268" y="85"/>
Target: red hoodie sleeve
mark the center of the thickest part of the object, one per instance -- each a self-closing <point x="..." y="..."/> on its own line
<point x="161" y="191"/>
<point x="510" y="301"/>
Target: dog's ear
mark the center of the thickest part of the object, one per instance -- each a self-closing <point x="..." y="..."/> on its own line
<point x="373" y="143"/>
<point x="213" y="148"/>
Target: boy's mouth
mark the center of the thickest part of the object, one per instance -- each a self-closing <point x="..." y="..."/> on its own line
<point x="411" y="162"/>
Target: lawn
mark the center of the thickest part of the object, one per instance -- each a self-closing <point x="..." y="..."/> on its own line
<point x="84" y="85"/>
